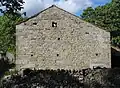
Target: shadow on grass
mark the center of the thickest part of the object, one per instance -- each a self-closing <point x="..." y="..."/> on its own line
<point x="103" y="78"/>
<point x="5" y="66"/>
<point x="43" y="79"/>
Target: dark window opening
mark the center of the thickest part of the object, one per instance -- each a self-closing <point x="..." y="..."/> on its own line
<point x="86" y="32"/>
<point x="24" y="23"/>
<point x="34" y="23"/>
<point x="54" y="24"/>
<point x="31" y="55"/>
<point x="57" y="55"/>
<point x="96" y="54"/>
<point x="58" y="38"/>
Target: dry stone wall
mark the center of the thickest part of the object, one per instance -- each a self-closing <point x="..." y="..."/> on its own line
<point x="70" y="44"/>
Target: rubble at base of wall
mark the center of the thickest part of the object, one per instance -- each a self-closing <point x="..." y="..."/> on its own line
<point x="86" y="78"/>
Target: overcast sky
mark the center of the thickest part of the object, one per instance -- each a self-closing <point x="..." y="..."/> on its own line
<point x="32" y="7"/>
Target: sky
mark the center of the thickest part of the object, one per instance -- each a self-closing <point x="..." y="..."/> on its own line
<point x="32" y="7"/>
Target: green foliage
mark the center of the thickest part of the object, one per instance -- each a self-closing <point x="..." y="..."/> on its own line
<point x="106" y="17"/>
<point x="11" y="6"/>
<point x="12" y="72"/>
<point x="11" y="16"/>
<point x="116" y="41"/>
<point x="7" y="32"/>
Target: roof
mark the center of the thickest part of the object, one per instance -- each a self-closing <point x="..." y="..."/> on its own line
<point x="116" y="48"/>
<point x="60" y="9"/>
<point x="45" y="10"/>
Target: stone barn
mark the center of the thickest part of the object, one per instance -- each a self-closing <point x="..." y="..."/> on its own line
<point x="57" y="39"/>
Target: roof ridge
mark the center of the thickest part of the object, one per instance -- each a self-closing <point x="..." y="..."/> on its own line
<point x="59" y="9"/>
<point x="45" y="10"/>
<point x="36" y="14"/>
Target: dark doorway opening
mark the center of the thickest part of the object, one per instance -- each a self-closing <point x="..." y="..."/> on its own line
<point x="115" y="57"/>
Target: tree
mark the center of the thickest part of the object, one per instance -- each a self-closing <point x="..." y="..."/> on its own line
<point x="106" y="17"/>
<point x="11" y="15"/>
<point x="11" y="6"/>
<point x="7" y="32"/>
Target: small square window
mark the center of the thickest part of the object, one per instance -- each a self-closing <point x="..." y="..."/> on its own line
<point x="86" y="32"/>
<point x="96" y="54"/>
<point x="54" y="24"/>
<point x="57" y="55"/>
<point x="34" y="23"/>
<point x="58" y="38"/>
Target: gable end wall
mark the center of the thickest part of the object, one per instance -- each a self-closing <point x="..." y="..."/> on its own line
<point x="73" y="44"/>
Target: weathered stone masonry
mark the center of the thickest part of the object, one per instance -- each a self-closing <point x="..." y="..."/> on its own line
<point x="56" y="39"/>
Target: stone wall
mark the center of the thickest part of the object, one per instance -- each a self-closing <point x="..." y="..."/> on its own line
<point x="71" y="44"/>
